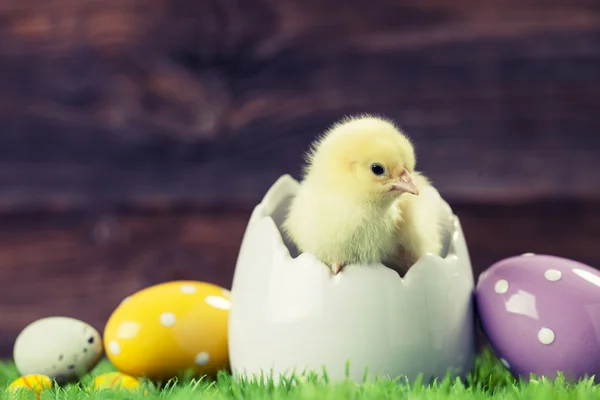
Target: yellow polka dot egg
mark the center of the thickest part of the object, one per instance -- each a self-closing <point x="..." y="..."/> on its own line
<point x="165" y="329"/>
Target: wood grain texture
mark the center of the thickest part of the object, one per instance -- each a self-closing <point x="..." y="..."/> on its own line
<point x="83" y="264"/>
<point x="152" y="101"/>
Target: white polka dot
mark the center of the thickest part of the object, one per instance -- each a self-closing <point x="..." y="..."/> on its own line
<point x="501" y="286"/>
<point x="114" y="347"/>
<point x="167" y="319"/>
<point x="505" y="363"/>
<point x="202" y="358"/>
<point x="588" y="276"/>
<point x="552" y="275"/>
<point x="126" y="299"/>
<point x="218" y="302"/>
<point x="188" y="289"/>
<point x="546" y="336"/>
<point x="527" y="254"/>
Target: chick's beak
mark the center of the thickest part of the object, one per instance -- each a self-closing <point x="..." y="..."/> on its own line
<point x="406" y="184"/>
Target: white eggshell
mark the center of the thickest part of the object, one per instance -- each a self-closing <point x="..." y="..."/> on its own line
<point x="62" y="348"/>
<point x="289" y="313"/>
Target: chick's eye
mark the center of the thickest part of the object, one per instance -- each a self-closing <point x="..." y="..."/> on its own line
<point x="377" y="169"/>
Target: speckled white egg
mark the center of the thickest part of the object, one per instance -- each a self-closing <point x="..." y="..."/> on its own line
<point x="62" y="348"/>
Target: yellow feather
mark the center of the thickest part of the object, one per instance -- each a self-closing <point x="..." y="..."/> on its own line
<point x="343" y="213"/>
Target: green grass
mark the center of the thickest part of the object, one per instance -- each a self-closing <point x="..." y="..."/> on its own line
<point x="488" y="380"/>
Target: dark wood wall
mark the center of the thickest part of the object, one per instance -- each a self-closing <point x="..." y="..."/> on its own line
<point x="137" y="135"/>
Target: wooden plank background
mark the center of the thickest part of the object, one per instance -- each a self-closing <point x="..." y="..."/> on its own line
<point x="137" y="135"/>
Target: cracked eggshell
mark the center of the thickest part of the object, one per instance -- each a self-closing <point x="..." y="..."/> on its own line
<point x="62" y="348"/>
<point x="541" y="314"/>
<point x="289" y="313"/>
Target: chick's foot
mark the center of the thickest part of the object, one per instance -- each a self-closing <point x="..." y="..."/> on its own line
<point x="336" y="268"/>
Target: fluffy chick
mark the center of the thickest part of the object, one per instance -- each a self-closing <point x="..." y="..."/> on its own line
<point x="361" y="200"/>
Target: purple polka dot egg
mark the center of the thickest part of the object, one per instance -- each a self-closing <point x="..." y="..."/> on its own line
<point x="541" y="314"/>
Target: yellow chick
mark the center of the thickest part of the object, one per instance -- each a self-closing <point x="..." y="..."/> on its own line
<point x="361" y="200"/>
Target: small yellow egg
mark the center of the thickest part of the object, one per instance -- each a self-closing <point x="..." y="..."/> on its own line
<point x="35" y="383"/>
<point x="168" y="328"/>
<point x="115" y="380"/>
